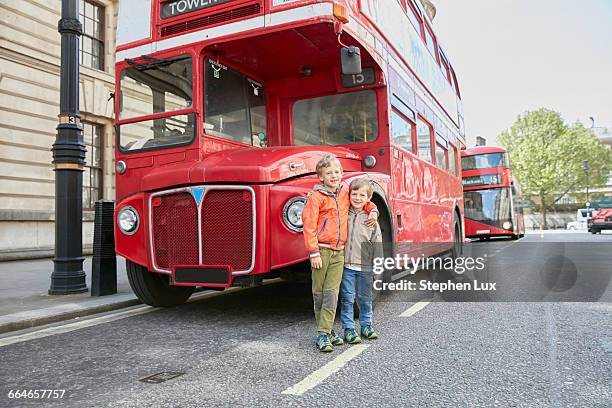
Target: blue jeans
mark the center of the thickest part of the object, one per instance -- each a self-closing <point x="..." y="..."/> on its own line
<point x="347" y="297"/>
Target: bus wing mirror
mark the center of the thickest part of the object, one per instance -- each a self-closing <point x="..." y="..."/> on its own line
<point x="350" y="60"/>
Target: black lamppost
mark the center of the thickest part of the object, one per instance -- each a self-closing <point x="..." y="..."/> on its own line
<point x="68" y="159"/>
<point x="585" y="168"/>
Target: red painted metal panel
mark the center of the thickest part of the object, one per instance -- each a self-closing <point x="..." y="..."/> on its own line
<point x="133" y="247"/>
<point x="472" y="227"/>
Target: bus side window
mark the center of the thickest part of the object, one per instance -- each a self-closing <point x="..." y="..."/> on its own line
<point x="452" y="159"/>
<point x="446" y="71"/>
<point x="441" y="157"/>
<point x="441" y="148"/>
<point x="424" y="134"/>
<point x="456" y="86"/>
<point x="402" y="130"/>
<point x="414" y="18"/>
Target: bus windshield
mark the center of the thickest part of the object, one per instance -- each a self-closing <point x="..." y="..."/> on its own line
<point x="235" y="105"/>
<point x="491" y="206"/>
<point x="335" y="119"/>
<point x="157" y="87"/>
<point x="484" y="161"/>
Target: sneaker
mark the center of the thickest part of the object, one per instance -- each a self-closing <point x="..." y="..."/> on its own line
<point x="351" y="337"/>
<point x="322" y="342"/>
<point x="335" y="339"/>
<point x="369" y="333"/>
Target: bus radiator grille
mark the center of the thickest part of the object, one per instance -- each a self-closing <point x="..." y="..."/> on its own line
<point x="227" y="229"/>
<point x="175" y="230"/>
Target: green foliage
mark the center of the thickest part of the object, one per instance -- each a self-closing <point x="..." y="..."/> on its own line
<point x="546" y="155"/>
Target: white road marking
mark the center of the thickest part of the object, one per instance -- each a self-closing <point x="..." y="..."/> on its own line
<point x="498" y="250"/>
<point x="551" y="330"/>
<point x="75" y="326"/>
<point x="65" y="328"/>
<point x="415" y="308"/>
<point x="318" y="376"/>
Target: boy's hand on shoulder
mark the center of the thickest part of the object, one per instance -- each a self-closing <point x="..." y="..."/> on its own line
<point x="372" y="218"/>
<point x="316" y="262"/>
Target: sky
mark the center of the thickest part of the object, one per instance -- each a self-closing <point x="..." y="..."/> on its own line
<point x="513" y="56"/>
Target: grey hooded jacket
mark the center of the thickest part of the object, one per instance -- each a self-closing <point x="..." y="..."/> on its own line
<point x="363" y="243"/>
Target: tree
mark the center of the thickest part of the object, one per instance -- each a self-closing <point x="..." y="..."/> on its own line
<point x="546" y="156"/>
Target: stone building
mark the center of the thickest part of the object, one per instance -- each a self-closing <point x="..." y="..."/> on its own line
<point x="29" y="106"/>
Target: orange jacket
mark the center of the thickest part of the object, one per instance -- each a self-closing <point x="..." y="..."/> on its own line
<point x="325" y="218"/>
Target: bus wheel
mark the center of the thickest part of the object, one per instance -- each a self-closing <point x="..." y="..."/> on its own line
<point x="154" y="289"/>
<point x="457" y="242"/>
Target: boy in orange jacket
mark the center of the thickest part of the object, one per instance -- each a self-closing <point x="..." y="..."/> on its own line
<point x="325" y="219"/>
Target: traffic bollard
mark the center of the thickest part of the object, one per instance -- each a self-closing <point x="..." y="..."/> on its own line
<point x="104" y="262"/>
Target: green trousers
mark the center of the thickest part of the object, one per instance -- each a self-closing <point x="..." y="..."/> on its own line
<point x="325" y="288"/>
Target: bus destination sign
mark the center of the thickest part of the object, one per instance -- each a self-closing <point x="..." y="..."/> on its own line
<point x="482" y="180"/>
<point x="177" y="7"/>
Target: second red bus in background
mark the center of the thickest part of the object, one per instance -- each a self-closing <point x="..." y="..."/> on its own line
<point x="490" y="194"/>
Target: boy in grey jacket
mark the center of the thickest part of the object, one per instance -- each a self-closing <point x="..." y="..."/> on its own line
<point x="363" y="244"/>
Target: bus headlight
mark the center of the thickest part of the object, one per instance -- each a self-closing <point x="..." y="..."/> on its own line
<point x="292" y="213"/>
<point x="128" y="220"/>
<point x="507" y="225"/>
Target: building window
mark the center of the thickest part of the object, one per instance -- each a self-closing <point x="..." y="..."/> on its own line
<point x="92" y="176"/>
<point x="91" y="16"/>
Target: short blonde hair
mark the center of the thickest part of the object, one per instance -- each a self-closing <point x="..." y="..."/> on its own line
<point x="326" y="162"/>
<point x="361" y="182"/>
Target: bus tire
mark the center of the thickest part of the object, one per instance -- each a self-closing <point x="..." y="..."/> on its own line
<point x="457" y="249"/>
<point x="153" y="289"/>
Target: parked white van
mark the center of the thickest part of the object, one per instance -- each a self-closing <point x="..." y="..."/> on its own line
<point x="582" y="216"/>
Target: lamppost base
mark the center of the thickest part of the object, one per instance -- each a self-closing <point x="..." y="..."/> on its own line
<point x="68" y="282"/>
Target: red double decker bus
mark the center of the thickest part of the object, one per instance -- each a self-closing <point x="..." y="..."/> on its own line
<point x="489" y="194"/>
<point x="223" y="108"/>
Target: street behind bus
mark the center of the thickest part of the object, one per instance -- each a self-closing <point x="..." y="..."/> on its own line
<point x="255" y="347"/>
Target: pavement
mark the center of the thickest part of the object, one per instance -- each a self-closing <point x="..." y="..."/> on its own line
<point x="25" y="302"/>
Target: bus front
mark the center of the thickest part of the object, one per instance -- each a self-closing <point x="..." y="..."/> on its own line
<point x="489" y="194"/>
<point x="222" y="113"/>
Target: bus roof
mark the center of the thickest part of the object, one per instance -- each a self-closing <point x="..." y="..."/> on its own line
<point x="473" y="151"/>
